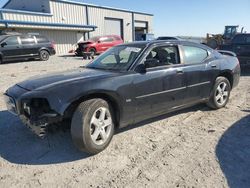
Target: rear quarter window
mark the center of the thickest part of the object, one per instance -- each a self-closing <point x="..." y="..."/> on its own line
<point x="117" y="38"/>
<point x="42" y="39"/>
<point x="194" y="55"/>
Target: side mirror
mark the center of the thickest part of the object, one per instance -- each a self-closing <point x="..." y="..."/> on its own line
<point x="99" y="41"/>
<point x="141" y="68"/>
<point x="3" y="44"/>
<point x="151" y="63"/>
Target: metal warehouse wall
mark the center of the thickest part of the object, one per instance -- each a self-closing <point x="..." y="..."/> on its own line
<point x="97" y="17"/>
<point x="149" y="19"/>
<point x="61" y="13"/>
<point x="64" y="40"/>
<point x="72" y="14"/>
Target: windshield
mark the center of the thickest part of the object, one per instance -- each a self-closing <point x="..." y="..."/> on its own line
<point x="95" y="39"/>
<point x="117" y="58"/>
<point x="2" y="37"/>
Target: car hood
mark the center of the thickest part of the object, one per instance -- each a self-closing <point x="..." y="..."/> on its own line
<point x="50" y="80"/>
<point x="86" y="42"/>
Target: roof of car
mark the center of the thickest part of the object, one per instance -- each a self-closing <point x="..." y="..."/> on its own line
<point x="174" y="42"/>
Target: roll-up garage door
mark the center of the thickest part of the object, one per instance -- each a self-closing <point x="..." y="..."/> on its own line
<point x="113" y="27"/>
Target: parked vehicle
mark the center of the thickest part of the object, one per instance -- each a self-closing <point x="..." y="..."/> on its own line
<point x="127" y="84"/>
<point x="98" y="45"/>
<point x="25" y="46"/>
<point x="215" y="40"/>
<point x="144" y="37"/>
<point x="241" y="46"/>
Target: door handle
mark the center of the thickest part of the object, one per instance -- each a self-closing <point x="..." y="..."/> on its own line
<point x="179" y="71"/>
<point x="214" y="66"/>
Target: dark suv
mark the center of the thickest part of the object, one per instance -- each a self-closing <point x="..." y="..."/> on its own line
<point x="21" y="47"/>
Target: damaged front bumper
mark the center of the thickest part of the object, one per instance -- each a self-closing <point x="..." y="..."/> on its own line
<point x="38" y="124"/>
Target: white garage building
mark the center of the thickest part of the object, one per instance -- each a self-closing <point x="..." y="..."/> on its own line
<point x="68" y="22"/>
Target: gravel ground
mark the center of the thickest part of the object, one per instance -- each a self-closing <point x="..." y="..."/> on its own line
<point x="196" y="147"/>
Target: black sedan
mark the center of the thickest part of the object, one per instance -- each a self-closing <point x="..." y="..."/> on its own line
<point x="127" y="84"/>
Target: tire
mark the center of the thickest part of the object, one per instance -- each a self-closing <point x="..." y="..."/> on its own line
<point x="220" y="93"/>
<point x="1" y="60"/>
<point x="89" y="131"/>
<point x="44" y="55"/>
<point x="93" y="51"/>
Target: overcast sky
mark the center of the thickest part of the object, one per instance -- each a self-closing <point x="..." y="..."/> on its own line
<point x="187" y="17"/>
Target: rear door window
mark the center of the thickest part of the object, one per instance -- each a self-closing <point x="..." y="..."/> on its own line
<point x="194" y="55"/>
<point x="27" y="40"/>
<point x="12" y="41"/>
<point x="107" y="39"/>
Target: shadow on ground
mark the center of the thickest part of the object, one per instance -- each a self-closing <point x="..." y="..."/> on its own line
<point x="233" y="153"/>
<point x="198" y="107"/>
<point x="18" y="145"/>
<point x="21" y="61"/>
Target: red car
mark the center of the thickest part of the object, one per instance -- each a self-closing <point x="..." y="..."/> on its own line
<point x="99" y="44"/>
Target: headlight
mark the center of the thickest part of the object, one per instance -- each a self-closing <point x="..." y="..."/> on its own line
<point x="26" y="107"/>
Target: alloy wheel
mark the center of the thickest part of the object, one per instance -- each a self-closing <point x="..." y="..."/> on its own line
<point x="100" y="126"/>
<point x="222" y="93"/>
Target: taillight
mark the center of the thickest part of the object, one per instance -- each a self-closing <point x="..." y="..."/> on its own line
<point x="53" y="45"/>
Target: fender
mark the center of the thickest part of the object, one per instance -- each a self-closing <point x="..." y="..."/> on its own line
<point x="44" y="48"/>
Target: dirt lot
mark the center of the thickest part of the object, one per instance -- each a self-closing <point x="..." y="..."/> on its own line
<point x="195" y="147"/>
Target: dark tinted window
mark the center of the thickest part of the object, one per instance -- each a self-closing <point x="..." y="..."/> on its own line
<point x="248" y="39"/>
<point x="162" y="56"/>
<point x="42" y="39"/>
<point x="27" y="40"/>
<point x="239" y="39"/>
<point x="11" y="41"/>
<point x="106" y="39"/>
<point x="194" y="55"/>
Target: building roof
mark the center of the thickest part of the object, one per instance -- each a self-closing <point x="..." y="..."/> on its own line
<point x="92" y="5"/>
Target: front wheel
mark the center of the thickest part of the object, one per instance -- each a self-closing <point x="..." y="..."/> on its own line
<point x="92" y="51"/>
<point x="44" y="55"/>
<point x="92" y="126"/>
<point x="220" y="93"/>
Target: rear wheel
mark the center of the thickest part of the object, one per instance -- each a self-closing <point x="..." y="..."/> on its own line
<point x="92" y="51"/>
<point x="1" y="60"/>
<point x="220" y="94"/>
<point x="44" y="55"/>
<point x="92" y="126"/>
